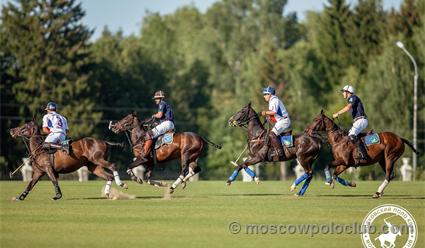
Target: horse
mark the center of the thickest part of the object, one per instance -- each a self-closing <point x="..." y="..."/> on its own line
<point x="305" y="148"/>
<point x="89" y="152"/>
<point x="188" y="146"/>
<point x="388" y="237"/>
<point x="390" y="149"/>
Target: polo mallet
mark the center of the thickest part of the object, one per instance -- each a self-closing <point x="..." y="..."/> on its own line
<point x="11" y="173"/>
<point x="235" y="163"/>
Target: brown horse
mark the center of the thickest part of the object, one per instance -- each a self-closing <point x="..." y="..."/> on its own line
<point x="386" y="153"/>
<point x="306" y="149"/>
<point x="89" y="152"/>
<point x="187" y="146"/>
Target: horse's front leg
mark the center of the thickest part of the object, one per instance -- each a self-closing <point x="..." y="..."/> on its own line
<point x="328" y="173"/>
<point x="129" y="171"/>
<point x="340" y="169"/>
<point x="193" y="170"/>
<point x="52" y="176"/>
<point x="37" y="175"/>
<point x="148" y="180"/>
<point x="249" y="161"/>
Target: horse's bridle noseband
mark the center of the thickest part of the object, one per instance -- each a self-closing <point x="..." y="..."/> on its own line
<point x="26" y="127"/>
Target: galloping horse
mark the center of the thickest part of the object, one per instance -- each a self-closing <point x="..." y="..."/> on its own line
<point x="386" y="153"/>
<point x="188" y="146"/>
<point x="305" y="148"/>
<point x="89" y="152"/>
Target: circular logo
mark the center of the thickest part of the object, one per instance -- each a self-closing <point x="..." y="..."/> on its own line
<point x="374" y="139"/>
<point x="389" y="225"/>
<point x="287" y="142"/>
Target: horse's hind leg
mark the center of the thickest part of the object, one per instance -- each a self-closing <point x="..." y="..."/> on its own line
<point x="193" y="170"/>
<point x="129" y="171"/>
<point x="112" y="167"/>
<point x="100" y="172"/>
<point x="387" y="167"/>
<point x="37" y="175"/>
<point x="308" y="175"/>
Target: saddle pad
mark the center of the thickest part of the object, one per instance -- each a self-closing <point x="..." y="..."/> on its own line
<point x="372" y="139"/>
<point x="287" y="141"/>
<point x="164" y="139"/>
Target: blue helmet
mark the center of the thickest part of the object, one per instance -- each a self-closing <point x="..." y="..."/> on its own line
<point x="51" y="106"/>
<point x="269" y="90"/>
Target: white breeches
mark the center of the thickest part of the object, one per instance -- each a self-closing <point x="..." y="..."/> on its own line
<point x="55" y="137"/>
<point x="281" y="126"/>
<point x="358" y="127"/>
<point x="162" y="128"/>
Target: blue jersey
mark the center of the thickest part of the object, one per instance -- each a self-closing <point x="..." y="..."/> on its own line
<point x="357" y="109"/>
<point x="167" y="112"/>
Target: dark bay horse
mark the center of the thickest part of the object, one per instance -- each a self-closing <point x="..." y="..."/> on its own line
<point x="89" y="152"/>
<point x="188" y="146"/>
<point x="390" y="149"/>
<point x="305" y="148"/>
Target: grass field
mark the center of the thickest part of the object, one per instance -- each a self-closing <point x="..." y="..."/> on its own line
<point x="198" y="216"/>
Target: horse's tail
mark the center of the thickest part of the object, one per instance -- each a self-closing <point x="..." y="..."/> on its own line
<point x="115" y="144"/>
<point x="410" y="144"/>
<point x="210" y="143"/>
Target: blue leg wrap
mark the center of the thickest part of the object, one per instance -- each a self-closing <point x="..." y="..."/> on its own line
<point x="250" y="172"/>
<point x="234" y="175"/>
<point x="304" y="188"/>
<point x="301" y="178"/>
<point x="328" y="176"/>
<point x="342" y="181"/>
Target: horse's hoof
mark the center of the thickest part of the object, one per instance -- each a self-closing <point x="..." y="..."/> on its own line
<point x="171" y="190"/>
<point x="139" y="180"/>
<point x="55" y="198"/>
<point x="293" y="187"/>
<point x="228" y="183"/>
<point x="107" y="195"/>
<point x="157" y="185"/>
<point x="183" y="185"/>
<point x="377" y="195"/>
<point x="14" y="199"/>
<point x="297" y="195"/>
<point x="164" y="184"/>
<point x="352" y="184"/>
<point x="332" y="184"/>
<point x="125" y="186"/>
<point x="257" y="180"/>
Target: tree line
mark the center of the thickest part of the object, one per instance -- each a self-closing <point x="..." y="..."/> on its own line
<point x="210" y="65"/>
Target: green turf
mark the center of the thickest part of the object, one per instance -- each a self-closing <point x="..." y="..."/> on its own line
<point x="195" y="217"/>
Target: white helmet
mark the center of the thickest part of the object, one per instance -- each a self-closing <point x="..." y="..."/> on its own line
<point x="348" y="88"/>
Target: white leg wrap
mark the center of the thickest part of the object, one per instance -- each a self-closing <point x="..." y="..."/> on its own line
<point x="189" y="175"/>
<point x="383" y="186"/>
<point x="177" y="182"/>
<point x="117" y="178"/>
<point x="108" y="186"/>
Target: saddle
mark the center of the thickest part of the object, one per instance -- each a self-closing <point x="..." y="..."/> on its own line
<point x="51" y="149"/>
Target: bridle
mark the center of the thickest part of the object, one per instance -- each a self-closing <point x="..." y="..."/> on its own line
<point x="243" y="125"/>
<point x="20" y="133"/>
<point x="313" y="132"/>
<point x="124" y="128"/>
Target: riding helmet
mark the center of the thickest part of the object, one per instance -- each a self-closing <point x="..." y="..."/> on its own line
<point x="51" y="106"/>
<point x="160" y="94"/>
<point x="269" y="90"/>
<point x="348" y="88"/>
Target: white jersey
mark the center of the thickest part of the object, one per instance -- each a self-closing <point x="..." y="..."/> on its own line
<point x="277" y="106"/>
<point x="55" y="122"/>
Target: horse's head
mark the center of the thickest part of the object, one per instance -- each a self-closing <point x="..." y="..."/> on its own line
<point x="317" y="124"/>
<point x="127" y="123"/>
<point x="27" y="129"/>
<point x="243" y="116"/>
